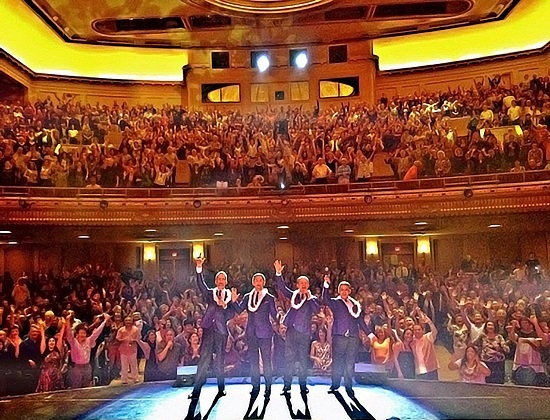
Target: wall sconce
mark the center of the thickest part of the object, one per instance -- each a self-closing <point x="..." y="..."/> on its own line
<point x="198" y="250"/>
<point x="149" y="252"/>
<point x="372" y="247"/>
<point x="423" y="246"/>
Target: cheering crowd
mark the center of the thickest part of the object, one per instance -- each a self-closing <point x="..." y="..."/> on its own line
<point x="90" y="325"/>
<point x="63" y="142"/>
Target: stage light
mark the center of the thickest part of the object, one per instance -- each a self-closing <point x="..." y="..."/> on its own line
<point x="301" y="60"/>
<point x="283" y="227"/>
<point x="468" y="193"/>
<point x="5" y="232"/>
<point x="368" y="199"/>
<point x="262" y="63"/>
<point x="494" y="225"/>
<point x="420" y="223"/>
<point x="197" y="204"/>
<point x="218" y="234"/>
<point x="349" y="231"/>
<point x="13" y="243"/>
<point x="283" y="238"/>
<point x="103" y="204"/>
<point x="83" y="236"/>
<point x="150" y="230"/>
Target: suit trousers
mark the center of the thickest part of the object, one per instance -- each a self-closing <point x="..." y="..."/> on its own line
<point x="213" y="342"/>
<point x="129" y="367"/>
<point x="257" y="346"/>
<point x="80" y="376"/>
<point x="297" y="347"/>
<point x="344" y="350"/>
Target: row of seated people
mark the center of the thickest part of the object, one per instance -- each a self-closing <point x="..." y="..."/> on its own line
<point x="56" y="332"/>
<point x="148" y="146"/>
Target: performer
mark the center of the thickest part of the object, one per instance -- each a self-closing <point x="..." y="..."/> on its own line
<point x="260" y="305"/>
<point x="297" y="320"/>
<point x="220" y="309"/>
<point x="348" y="319"/>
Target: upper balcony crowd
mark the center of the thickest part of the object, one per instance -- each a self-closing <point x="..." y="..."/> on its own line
<point x="63" y="142"/>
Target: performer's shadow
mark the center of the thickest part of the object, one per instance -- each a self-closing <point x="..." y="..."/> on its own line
<point x="355" y="410"/>
<point x="298" y="414"/>
<point x="194" y="411"/>
<point x="254" y="414"/>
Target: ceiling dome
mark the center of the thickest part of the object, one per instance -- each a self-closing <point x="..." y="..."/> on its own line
<point x="262" y="7"/>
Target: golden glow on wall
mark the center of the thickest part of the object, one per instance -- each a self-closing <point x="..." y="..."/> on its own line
<point x="423" y="245"/>
<point x="31" y="41"/>
<point x="525" y="28"/>
<point x="24" y="36"/>
<point x="149" y="252"/>
<point x="198" y="250"/>
<point x="372" y="247"/>
<point x="230" y="93"/>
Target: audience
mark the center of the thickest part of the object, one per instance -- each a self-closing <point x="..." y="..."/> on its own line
<point x="63" y="142"/>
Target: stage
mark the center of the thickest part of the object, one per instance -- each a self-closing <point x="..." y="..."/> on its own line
<point x="416" y="400"/>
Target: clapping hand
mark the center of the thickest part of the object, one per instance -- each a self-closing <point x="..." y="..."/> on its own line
<point x="327" y="279"/>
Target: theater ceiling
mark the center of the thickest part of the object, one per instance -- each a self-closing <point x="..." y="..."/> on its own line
<point x="246" y="23"/>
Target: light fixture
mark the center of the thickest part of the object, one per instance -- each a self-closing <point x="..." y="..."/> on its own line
<point x="103" y="204"/>
<point x="372" y="247"/>
<point x="423" y="246"/>
<point x="197" y="204"/>
<point x="468" y="193"/>
<point x="150" y="230"/>
<point x="283" y="238"/>
<point x="149" y="252"/>
<point x="174" y="254"/>
<point x="218" y="234"/>
<point x="349" y="231"/>
<point x="368" y="199"/>
<point x="301" y="60"/>
<point x="420" y="223"/>
<point x="5" y="232"/>
<point x="83" y="236"/>
<point x="13" y="243"/>
<point x="262" y="63"/>
<point x="494" y="225"/>
<point x="283" y="227"/>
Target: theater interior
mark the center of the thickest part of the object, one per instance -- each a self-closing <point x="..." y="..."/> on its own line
<point x="266" y="59"/>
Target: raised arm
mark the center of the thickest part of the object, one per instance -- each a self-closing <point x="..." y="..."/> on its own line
<point x="145" y="348"/>
<point x="92" y="339"/>
<point x="424" y="319"/>
<point x="203" y="288"/>
<point x="325" y="294"/>
<point x="281" y="286"/>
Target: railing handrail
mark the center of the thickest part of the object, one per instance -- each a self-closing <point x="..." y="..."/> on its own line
<point x="465" y="181"/>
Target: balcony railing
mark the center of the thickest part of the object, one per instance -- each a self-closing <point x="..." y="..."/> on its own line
<point x="311" y="189"/>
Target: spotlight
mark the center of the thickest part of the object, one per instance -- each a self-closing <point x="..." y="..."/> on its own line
<point x="83" y="236"/>
<point x="263" y="63"/>
<point x="103" y="204"/>
<point x="218" y="234"/>
<point x="301" y="60"/>
<point x="468" y="193"/>
<point x="13" y="243"/>
<point x="197" y="204"/>
<point x="368" y="199"/>
<point x="5" y="232"/>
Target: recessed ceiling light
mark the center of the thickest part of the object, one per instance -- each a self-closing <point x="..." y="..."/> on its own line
<point x="495" y="225"/>
<point x="420" y="223"/>
<point x="5" y="232"/>
<point x="283" y="227"/>
<point x="218" y="234"/>
<point x="150" y="230"/>
<point x="83" y="236"/>
<point x="283" y="238"/>
<point x="349" y="231"/>
<point x="13" y="243"/>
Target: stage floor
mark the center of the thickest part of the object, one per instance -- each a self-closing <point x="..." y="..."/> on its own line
<point x="402" y="399"/>
<point x="162" y="401"/>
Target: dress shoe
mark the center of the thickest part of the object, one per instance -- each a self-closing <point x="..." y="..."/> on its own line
<point x="332" y="390"/>
<point x="193" y="396"/>
<point x="286" y="390"/>
<point x="255" y="391"/>
<point x="304" y="391"/>
<point x="222" y="393"/>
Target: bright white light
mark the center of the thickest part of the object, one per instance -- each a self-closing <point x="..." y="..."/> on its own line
<point x="13" y="243"/>
<point x="218" y="234"/>
<point x="420" y="223"/>
<point x="262" y="63"/>
<point x="83" y="236"/>
<point x="301" y="60"/>
<point x="150" y="230"/>
<point x="494" y="226"/>
<point x="5" y="232"/>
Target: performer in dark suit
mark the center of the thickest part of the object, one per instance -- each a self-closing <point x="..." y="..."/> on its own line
<point x="260" y="305"/>
<point x="348" y="319"/>
<point x="297" y="320"/>
<point x="214" y="326"/>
